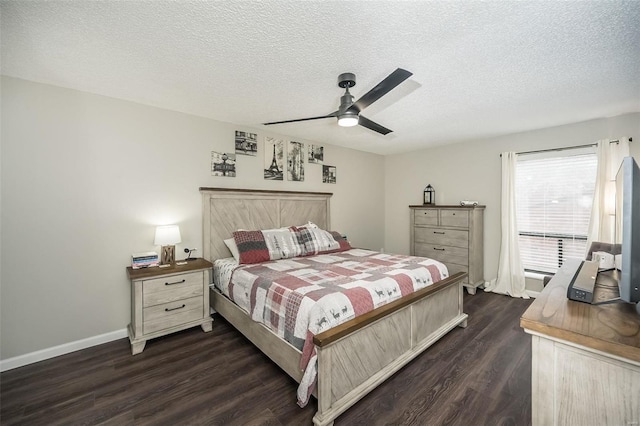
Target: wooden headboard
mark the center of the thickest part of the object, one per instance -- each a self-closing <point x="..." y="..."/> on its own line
<point x="226" y="210"/>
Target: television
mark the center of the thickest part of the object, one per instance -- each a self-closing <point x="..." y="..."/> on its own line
<point x="627" y="230"/>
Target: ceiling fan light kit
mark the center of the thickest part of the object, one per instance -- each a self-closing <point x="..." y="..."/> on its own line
<point x="348" y="120"/>
<point x="349" y="112"/>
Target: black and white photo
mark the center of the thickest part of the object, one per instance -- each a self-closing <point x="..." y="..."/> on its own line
<point x="273" y="158"/>
<point x="246" y="143"/>
<point x="295" y="164"/>
<point x="316" y="154"/>
<point x="328" y="174"/>
<point x="223" y="164"/>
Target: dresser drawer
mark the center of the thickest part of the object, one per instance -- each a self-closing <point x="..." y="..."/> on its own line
<point x="441" y="236"/>
<point x="170" y="314"/>
<point x="444" y="254"/>
<point x="169" y="289"/>
<point x="426" y="217"/>
<point x="455" y="218"/>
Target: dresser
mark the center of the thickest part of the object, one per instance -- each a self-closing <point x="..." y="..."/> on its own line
<point x="169" y="299"/>
<point x="585" y="359"/>
<point x="452" y="235"/>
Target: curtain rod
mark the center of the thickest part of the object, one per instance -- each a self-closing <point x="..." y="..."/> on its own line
<point x="565" y="148"/>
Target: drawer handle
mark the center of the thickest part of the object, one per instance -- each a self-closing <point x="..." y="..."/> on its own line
<point x="436" y="232"/>
<point x="177" y="282"/>
<point x="438" y="249"/>
<point x="173" y="309"/>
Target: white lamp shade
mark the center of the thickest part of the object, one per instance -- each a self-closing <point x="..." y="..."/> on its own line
<point x="167" y="235"/>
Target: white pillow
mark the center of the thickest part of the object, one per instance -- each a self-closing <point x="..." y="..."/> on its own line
<point x="233" y="248"/>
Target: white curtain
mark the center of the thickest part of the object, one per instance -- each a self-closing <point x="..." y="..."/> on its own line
<point x="601" y="224"/>
<point x="510" y="279"/>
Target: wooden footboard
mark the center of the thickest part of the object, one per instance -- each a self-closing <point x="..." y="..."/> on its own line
<point x="356" y="356"/>
<point x="370" y="349"/>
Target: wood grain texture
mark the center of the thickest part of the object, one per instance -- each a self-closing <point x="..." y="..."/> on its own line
<point x="454" y="235"/>
<point x="426" y="320"/>
<point x="473" y="376"/>
<point x="613" y="328"/>
<point x="227" y="210"/>
<point x="166" y="300"/>
<point x="279" y="351"/>
<point x="438" y="236"/>
<point x="144" y="273"/>
<point x="585" y="358"/>
<point x="357" y="359"/>
<point x="344" y="329"/>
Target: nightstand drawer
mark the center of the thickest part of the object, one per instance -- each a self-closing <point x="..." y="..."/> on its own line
<point x="444" y="254"/>
<point x="426" y="217"/>
<point x="456" y="218"/>
<point x="441" y="236"/>
<point x="169" y="289"/>
<point x="171" y="314"/>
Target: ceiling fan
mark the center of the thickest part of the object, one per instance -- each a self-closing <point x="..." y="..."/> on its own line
<point x="348" y="113"/>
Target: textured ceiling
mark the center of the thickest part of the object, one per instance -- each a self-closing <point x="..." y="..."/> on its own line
<point x="481" y="69"/>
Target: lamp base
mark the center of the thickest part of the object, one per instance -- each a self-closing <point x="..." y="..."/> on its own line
<point x="168" y="255"/>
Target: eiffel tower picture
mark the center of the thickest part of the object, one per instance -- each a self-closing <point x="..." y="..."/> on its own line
<point x="275" y="169"/>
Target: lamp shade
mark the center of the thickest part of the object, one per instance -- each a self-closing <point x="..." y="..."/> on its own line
<point x="167" y="235"/>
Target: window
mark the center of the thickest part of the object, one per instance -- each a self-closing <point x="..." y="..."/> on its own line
<point x="554" y="196"/>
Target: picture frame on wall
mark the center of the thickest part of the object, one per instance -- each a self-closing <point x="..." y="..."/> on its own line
<point x="295" y="161"/>
<point x="273" y="158"/>
<point x="329" y="174"/>
<point x="223" y="164"/>
<point x="246" y="143"/>
<point x="315" y="154"/>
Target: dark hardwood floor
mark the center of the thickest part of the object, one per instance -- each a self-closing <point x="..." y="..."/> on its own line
<point x="480" y="375"/>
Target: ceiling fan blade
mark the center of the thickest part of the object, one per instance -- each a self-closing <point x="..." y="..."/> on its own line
<point x="381" y="89"/>
<point x="333" y="114"/>
<point x="365" y="122"/>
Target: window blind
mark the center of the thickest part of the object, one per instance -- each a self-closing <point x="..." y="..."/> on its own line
<point x="554" y="196"/>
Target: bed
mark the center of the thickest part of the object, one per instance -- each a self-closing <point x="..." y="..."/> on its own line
<point x="355" y="356"/>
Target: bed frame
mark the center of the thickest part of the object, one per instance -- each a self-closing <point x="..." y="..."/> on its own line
<point x="391" y="335"/>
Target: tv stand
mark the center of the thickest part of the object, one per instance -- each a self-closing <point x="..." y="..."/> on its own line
<point x="585" y="357"/>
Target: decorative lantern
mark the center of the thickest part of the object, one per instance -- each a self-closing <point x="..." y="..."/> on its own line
<point x="429" y="195"/>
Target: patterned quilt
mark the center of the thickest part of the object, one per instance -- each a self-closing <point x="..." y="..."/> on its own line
<point x="300" y="297"/>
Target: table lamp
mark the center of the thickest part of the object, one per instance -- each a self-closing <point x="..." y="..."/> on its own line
<point x="167" y="236"/>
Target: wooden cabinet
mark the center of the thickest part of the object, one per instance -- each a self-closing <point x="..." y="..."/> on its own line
<point x="165" y="300"/>
<point x="585" y="358"/>
<point x="454" y="236"/>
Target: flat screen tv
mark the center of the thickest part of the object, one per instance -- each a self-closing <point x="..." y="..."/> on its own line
<point x="628" y="230"/>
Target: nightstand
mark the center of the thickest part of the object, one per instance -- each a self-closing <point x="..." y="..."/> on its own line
<point x="166" y="300"/>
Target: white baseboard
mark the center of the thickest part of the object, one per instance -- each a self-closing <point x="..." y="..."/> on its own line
<point x="41" y="355"/>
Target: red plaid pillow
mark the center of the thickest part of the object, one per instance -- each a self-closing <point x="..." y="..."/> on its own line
<point x="344" y="244"/>
<point x="251" y="246"/>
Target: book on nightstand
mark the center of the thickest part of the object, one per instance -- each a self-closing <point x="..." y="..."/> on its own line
<point x="144" y="260"/>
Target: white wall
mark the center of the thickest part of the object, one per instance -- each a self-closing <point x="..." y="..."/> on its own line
<point x="86" y="178"/>
<point x="471" y="171"/>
